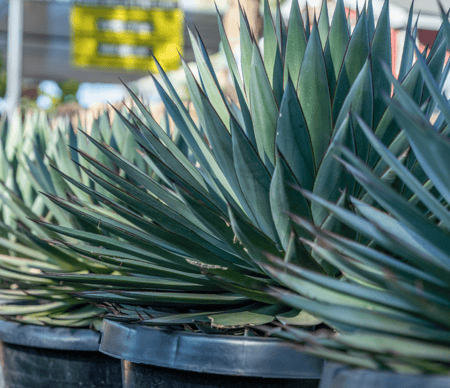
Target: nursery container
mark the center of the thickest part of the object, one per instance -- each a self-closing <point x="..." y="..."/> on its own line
<point x="342" y="376"/>
<point x="45" y="357"/>
<point x="154" y="357"/>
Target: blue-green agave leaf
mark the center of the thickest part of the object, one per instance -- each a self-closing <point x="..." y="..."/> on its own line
<point x="284" y="199"/>
<point x="314" y="96"/>
<point x="354" y="60"/>
<point x="264" y="110"/>
<point x="254" y="180"/>
<point x="295" y="46"/>
<point x="292" y="138"/>
<point x="380" y="50"/>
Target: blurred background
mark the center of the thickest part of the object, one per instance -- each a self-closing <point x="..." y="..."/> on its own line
<point x="74" y="53"/>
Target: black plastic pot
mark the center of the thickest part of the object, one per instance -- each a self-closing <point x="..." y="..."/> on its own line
<point x="341" y="376"/>
<point x="174" y="359"/>
<point x="43" y="357"/>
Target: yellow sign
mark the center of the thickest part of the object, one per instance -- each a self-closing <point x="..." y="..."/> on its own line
<point x="125" y="37"/>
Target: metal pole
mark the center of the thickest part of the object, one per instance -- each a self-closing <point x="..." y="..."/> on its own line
<point x="14" y="56"/>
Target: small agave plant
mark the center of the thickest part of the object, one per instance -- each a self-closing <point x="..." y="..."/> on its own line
<point x="196" y="239"/>
<point x="27" y="149"/>
<point x="390" y="307"/>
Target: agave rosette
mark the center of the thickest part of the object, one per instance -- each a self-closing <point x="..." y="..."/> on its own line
<point x="390" y="308"/>
<point x="28" y="148"/>
<point x="174" y="240"/>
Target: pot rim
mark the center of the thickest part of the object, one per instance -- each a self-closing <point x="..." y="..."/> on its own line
<point x="60" y="338"/>
<point x="198" y="352"/>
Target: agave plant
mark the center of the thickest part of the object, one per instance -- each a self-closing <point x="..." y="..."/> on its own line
<point x="174" y="242"/>
<point x="390" y="307"/>
<point x="27" y="149"/>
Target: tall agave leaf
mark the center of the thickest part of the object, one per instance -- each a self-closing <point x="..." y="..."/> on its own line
<point x="291" y="114"/>
<point x="390" y="308"/>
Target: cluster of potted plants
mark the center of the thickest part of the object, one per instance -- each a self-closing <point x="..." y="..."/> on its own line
<point x="305" y="220"/>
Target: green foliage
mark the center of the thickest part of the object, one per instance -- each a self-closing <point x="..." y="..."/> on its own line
<point x="389" y="308"/>
<point x="236" y="180"/>
<point x="28" y="150"/>
<point x="2" y="77"/>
